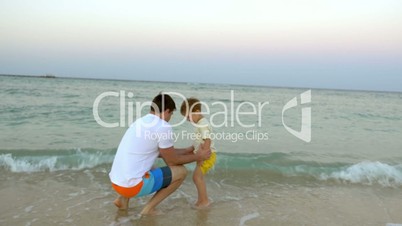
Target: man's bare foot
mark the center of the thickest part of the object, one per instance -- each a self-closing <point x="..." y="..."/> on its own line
<point x="151" y="212"/>
<point x="202" y="205"/>
<point x="121" y="203"/>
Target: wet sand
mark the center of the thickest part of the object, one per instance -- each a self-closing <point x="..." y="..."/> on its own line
<point x="86" y="198"/>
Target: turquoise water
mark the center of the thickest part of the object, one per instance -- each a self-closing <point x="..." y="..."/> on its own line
<point x="56" y="115"/>
<point x="52" y="147"/>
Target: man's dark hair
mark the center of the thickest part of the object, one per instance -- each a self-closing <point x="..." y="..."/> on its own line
<point x="163" y="102"/>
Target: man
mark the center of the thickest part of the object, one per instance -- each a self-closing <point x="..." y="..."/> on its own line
<point x="146" y="139"/>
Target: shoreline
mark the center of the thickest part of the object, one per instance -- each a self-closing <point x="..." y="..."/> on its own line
<point x="85" y="198"/>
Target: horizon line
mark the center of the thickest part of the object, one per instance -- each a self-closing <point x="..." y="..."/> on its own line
<point x="53" y="76"/>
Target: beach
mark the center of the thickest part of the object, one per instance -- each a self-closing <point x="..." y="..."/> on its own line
<point x="85" y="198"/>
<point x="55" y="156"/>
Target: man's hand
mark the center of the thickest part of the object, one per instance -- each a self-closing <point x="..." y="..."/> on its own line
<point x="203" y="153"/>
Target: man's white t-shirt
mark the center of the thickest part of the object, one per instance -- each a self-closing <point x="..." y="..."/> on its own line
<point x="139" y="148"/>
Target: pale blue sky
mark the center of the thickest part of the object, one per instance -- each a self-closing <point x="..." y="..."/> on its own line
<point x="355" y="44"/>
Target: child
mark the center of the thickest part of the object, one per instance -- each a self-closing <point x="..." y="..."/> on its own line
<point x="191" y="109"/>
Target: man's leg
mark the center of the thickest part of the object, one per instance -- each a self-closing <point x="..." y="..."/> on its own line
<point x="179" y="173"/>
<point x="121" y="202"/>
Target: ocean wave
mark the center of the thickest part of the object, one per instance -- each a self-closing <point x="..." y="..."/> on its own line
<point x="284" y="165"/>
<point x="289" y="166"/>
<point x="368" y="173"/>
<point x="53" y="160"/>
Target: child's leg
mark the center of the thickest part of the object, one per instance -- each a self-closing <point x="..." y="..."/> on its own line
<point x="199" y="182"/>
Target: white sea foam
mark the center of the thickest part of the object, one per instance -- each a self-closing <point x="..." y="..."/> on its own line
<point x="366" y="173"/>
<point x="248" y="217"/>
<point x="24" y="165"/>
<point x="369" y="173"/>
<point x="76" y="161"/>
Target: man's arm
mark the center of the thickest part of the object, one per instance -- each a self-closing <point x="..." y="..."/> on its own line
<point x="181" y="151"/>
<point x="185" y="151"/>
<point x="180" y="157"/>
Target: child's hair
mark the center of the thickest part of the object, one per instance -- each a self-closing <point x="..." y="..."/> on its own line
<point x="192" y="103"/>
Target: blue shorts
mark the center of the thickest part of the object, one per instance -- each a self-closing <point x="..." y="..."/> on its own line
<point x="155" y="180"/>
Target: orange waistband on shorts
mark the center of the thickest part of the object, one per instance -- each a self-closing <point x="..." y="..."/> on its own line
<point x="128" y="192"/>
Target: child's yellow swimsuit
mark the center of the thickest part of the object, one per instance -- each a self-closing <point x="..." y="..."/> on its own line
<point x="209" y="163"/>
<point x="204" y="130"/>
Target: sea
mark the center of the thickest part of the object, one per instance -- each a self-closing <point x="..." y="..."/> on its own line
<point x="59" y="136"/>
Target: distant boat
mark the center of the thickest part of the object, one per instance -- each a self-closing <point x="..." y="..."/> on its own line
<point x="48" y="76"/>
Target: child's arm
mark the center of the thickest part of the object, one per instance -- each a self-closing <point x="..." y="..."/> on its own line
<point x="207" y="144"/>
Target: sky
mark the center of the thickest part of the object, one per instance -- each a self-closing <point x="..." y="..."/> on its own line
<point x="339" y="44"/>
